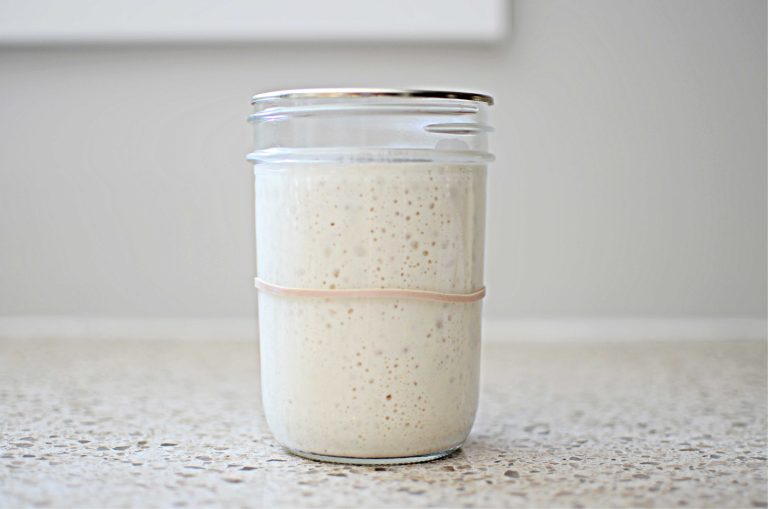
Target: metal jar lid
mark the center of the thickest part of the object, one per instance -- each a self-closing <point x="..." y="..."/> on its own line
<point x="333" y="93"/>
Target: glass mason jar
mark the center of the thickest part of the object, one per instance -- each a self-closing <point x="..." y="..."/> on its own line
<point x="370" y="218"/>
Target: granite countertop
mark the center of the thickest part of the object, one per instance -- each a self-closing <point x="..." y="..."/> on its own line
<point x="178" y="424"/>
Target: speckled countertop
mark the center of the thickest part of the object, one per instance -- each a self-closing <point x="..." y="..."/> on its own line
<point x="166" y="424"/>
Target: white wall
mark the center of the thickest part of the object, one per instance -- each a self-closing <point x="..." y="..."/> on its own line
<point x="630" y="179"/>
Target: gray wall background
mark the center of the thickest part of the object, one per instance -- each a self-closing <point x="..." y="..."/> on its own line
<point x="630" y="178"/>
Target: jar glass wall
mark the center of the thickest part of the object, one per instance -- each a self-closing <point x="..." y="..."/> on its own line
<point x="370" y="218"/>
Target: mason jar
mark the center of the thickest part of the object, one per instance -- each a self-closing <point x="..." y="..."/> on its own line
<point x="370" y="218"/>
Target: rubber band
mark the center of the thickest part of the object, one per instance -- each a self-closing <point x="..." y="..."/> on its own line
<point x="372" y="293"/>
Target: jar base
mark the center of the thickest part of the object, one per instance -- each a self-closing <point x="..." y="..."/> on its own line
<point x="402" y="460"/>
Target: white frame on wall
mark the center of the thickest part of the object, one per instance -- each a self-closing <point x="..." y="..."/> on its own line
<point x="128" y="21"/>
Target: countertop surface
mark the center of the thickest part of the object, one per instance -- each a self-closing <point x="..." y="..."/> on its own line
<point x="178" y="424"/>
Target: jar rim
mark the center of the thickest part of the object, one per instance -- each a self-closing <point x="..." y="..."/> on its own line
<point x="333" y="93"/>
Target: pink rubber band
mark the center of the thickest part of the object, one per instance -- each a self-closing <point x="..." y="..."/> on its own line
<point x="390" y="293"/>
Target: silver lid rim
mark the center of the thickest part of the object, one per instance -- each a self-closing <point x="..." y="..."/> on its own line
<point x="329" y="93"/>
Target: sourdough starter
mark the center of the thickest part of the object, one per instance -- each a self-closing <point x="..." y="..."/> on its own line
<point x="370" y="377"/>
